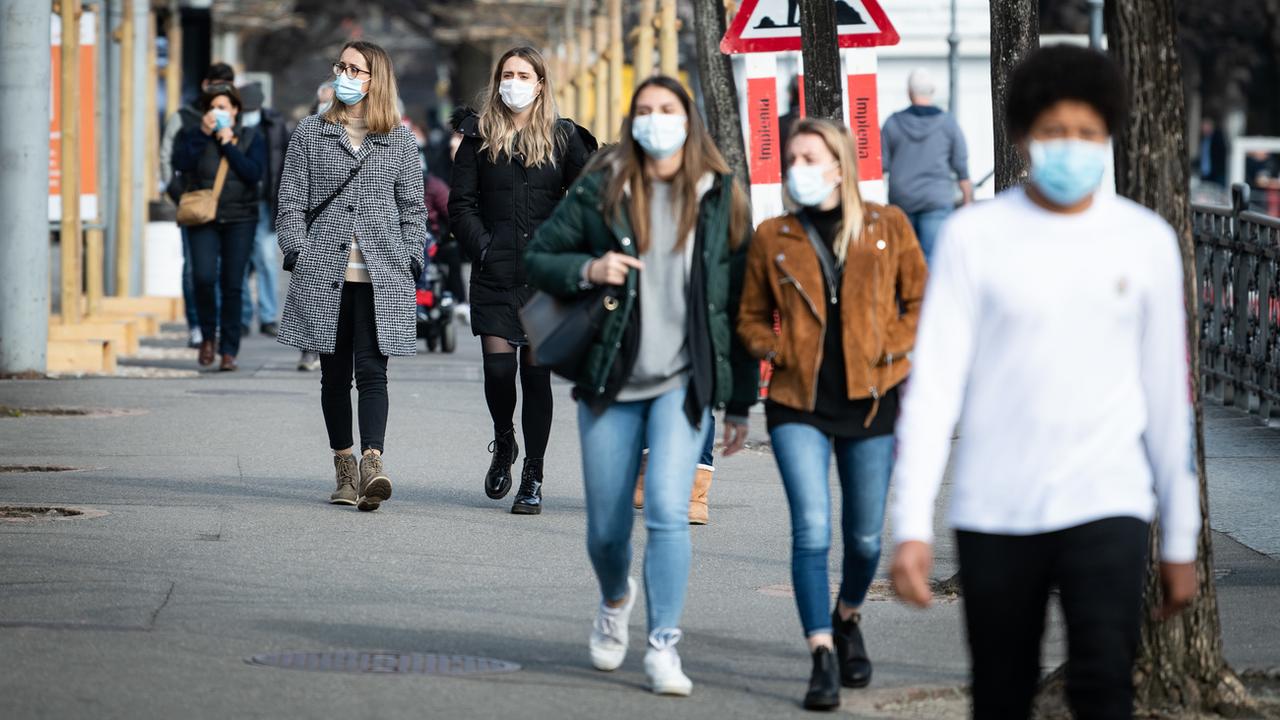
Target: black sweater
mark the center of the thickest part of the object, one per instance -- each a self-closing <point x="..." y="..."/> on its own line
<point x="834" y="413"/>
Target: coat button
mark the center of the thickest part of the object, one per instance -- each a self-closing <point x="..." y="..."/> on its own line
<point x="711" y="306"/>
<point x="632" y="293"/>
<point x="524" y="235"/>
<point x="335" y="284"/>
<point x="626" y="242"/>
<point x="600" y="389"/>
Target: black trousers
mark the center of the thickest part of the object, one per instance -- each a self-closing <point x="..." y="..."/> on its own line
<point x="1099" y="569"/>
<point x="219" y="254"/>
<point x="356" y="352"/>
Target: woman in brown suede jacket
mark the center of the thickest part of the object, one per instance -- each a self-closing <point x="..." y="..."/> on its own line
<point x="846" y="278"/>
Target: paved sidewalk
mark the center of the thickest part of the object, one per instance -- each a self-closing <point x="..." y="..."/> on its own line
<point x="218" y="545"/>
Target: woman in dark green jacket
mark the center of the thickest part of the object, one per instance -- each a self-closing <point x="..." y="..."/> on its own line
<point x="660" y="218"/>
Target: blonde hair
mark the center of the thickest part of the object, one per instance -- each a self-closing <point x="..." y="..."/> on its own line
<point x="380" y="111"/>
<point x="629" y="188"/>
<point x="537" y="143"/>
<point x="840" y="143"/>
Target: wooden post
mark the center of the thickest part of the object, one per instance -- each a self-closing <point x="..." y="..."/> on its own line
<point x="69" y="153"/>
<point x="570" y="66"/>
<point x="93" y="265"/>
<point x="173" y="71"/>
<point x="616" y="52"/>
<point x="601" y="124"/>
<point x="152" y="132"/>
<point x="124" y="202"/>
<point x="642" y="55"/>
<point x="669" y="50"/>
<point x="585" y="109"/>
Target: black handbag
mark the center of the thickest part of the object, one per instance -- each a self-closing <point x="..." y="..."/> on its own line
<point x="561" y="332"/>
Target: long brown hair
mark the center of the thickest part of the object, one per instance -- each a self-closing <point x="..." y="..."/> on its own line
<point x="841" y="144"/>
<point x="538" y="142"/>
<point x="380" y="110"/>
<point x="700" y="157"/>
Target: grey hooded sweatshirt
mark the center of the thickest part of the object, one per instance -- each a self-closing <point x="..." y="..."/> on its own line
<point x="921" y="147"/>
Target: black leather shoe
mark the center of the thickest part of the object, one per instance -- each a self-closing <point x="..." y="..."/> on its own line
<point x="529" y="496"/>
<point x="497" y="482"/>
<point x="855" y="666"/>
<point x="824" y="683"/>
<point x="269" y="329"/>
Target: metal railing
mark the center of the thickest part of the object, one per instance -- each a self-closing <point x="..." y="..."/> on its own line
<point x="1238" y="267"/>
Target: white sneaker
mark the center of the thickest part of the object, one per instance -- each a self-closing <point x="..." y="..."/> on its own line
<point x="662" y="664"/>
<point x="609" y="632"/>
<point x="194" y="338"/>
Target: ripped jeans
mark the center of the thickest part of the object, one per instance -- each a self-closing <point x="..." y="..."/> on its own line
<point x="864" y="465"/>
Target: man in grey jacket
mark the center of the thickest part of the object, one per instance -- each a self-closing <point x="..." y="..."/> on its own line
<point x="925" y="157"/>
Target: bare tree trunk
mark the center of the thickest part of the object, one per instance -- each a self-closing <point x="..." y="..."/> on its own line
<point x="719" y="92"/>
<point x="1015" y="31"/>
<point x="1180" y="664"/>
<point x="823" y="97"/>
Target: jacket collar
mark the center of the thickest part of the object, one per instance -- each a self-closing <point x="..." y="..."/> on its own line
<point x="792" y="228"/>
<point x="332" y="129"/>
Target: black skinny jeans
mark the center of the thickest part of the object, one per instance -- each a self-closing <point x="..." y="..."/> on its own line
<point x="356" y="351"/>
<point x="219" y="254"/>
<point x="1099" y="569"/>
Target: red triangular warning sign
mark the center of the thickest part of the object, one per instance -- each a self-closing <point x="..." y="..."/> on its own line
<point x="774" y="26"/>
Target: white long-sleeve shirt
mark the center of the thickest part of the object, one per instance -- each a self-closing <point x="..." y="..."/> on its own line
<point x="1059" y="343"/>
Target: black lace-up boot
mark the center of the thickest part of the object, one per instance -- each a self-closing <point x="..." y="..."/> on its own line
<point x="529" y="496"/>
<point x="497" y="482"/>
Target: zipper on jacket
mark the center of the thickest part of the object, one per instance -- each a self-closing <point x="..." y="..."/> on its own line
<point x="822" y="329"/>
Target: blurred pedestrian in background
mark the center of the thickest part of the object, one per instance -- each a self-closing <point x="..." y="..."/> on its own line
<point x="187" y="117"/>
<point x="221" y="153"/>
<point x="846" y="278"/>
<point x="516" y="160"/>
<point x="264" y="259"/>
<point x="352" y="227"/>
<point x="1054" y="332"/>
<point x="926" y="158"/>
<point x="659" y="219"/>
<point x="310" y="361"/>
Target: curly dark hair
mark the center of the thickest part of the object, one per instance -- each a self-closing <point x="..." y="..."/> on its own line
<point x="1065" y="72"/>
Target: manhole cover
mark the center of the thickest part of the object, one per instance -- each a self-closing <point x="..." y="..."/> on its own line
<point x="35" y="513"/>
<point x="36" y="469"/>
<point x="385" y="663"/>
<point x="19" y="412"/>
<point x="242" y="391"/>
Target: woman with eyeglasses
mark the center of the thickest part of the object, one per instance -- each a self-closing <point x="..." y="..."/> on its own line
<point x="352" y="227"/>
<point x="517" y="158"/>
<point x="661" y="220"/>
<point x="219" y="147"/>
<point x="846" y="278"/>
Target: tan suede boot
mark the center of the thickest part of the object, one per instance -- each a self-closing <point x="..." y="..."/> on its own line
<point x="698" y="500"/>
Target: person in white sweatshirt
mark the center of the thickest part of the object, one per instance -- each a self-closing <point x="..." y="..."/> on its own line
<point x="1053" y="331"/>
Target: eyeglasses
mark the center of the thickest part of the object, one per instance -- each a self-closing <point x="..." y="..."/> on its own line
<point x="351" y="71"/>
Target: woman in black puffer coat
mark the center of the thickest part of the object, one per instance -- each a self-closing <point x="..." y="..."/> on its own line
<point x="517" y="159"/>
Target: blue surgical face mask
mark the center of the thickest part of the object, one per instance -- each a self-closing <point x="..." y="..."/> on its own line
<point x="221" y="119"/>
<point x="323" y="107"/>
<point x="660" y="134"/>
<point x="1067" y="171"/>
<point x="808" y="184"/>
<point x="251" y="118"/>
<point x="348" y="90"/>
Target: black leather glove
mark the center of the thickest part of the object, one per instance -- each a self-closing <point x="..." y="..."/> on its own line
<point x="290" y="259"/>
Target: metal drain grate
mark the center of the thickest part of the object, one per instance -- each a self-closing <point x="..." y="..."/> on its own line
<point x="9" y="411"/>
<point x="36" y="469"/>
<point x="385" y="663"/>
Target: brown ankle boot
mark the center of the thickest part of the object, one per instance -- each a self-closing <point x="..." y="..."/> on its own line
<point x="698" y="500"/>
<point x="208" y="349"/>
<point x="375" y="486"/>
<point x="638" y="499"/>
<point x="345" y="470"/>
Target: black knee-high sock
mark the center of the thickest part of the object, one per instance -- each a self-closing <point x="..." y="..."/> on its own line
<point x="536" y="414"/>
<point x="500" y="389"/>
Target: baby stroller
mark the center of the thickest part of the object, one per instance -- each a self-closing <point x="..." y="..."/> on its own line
<point x="435" y="304"/>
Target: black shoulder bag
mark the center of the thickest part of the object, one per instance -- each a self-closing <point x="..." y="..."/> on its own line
<point x="291" y="259"/>
<point x="561" y="331"/>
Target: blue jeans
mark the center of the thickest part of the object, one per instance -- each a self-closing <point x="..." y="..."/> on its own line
<point x="189" y="285"/>
<point x="708" y="457"/>
<point x="611" y="446"/>
<point x="926" y="224"/>
<point x="262" y="262"/>
<point x="804" y="456"/>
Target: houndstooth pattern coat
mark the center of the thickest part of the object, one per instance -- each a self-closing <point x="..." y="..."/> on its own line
<point x="382" y="207"/>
